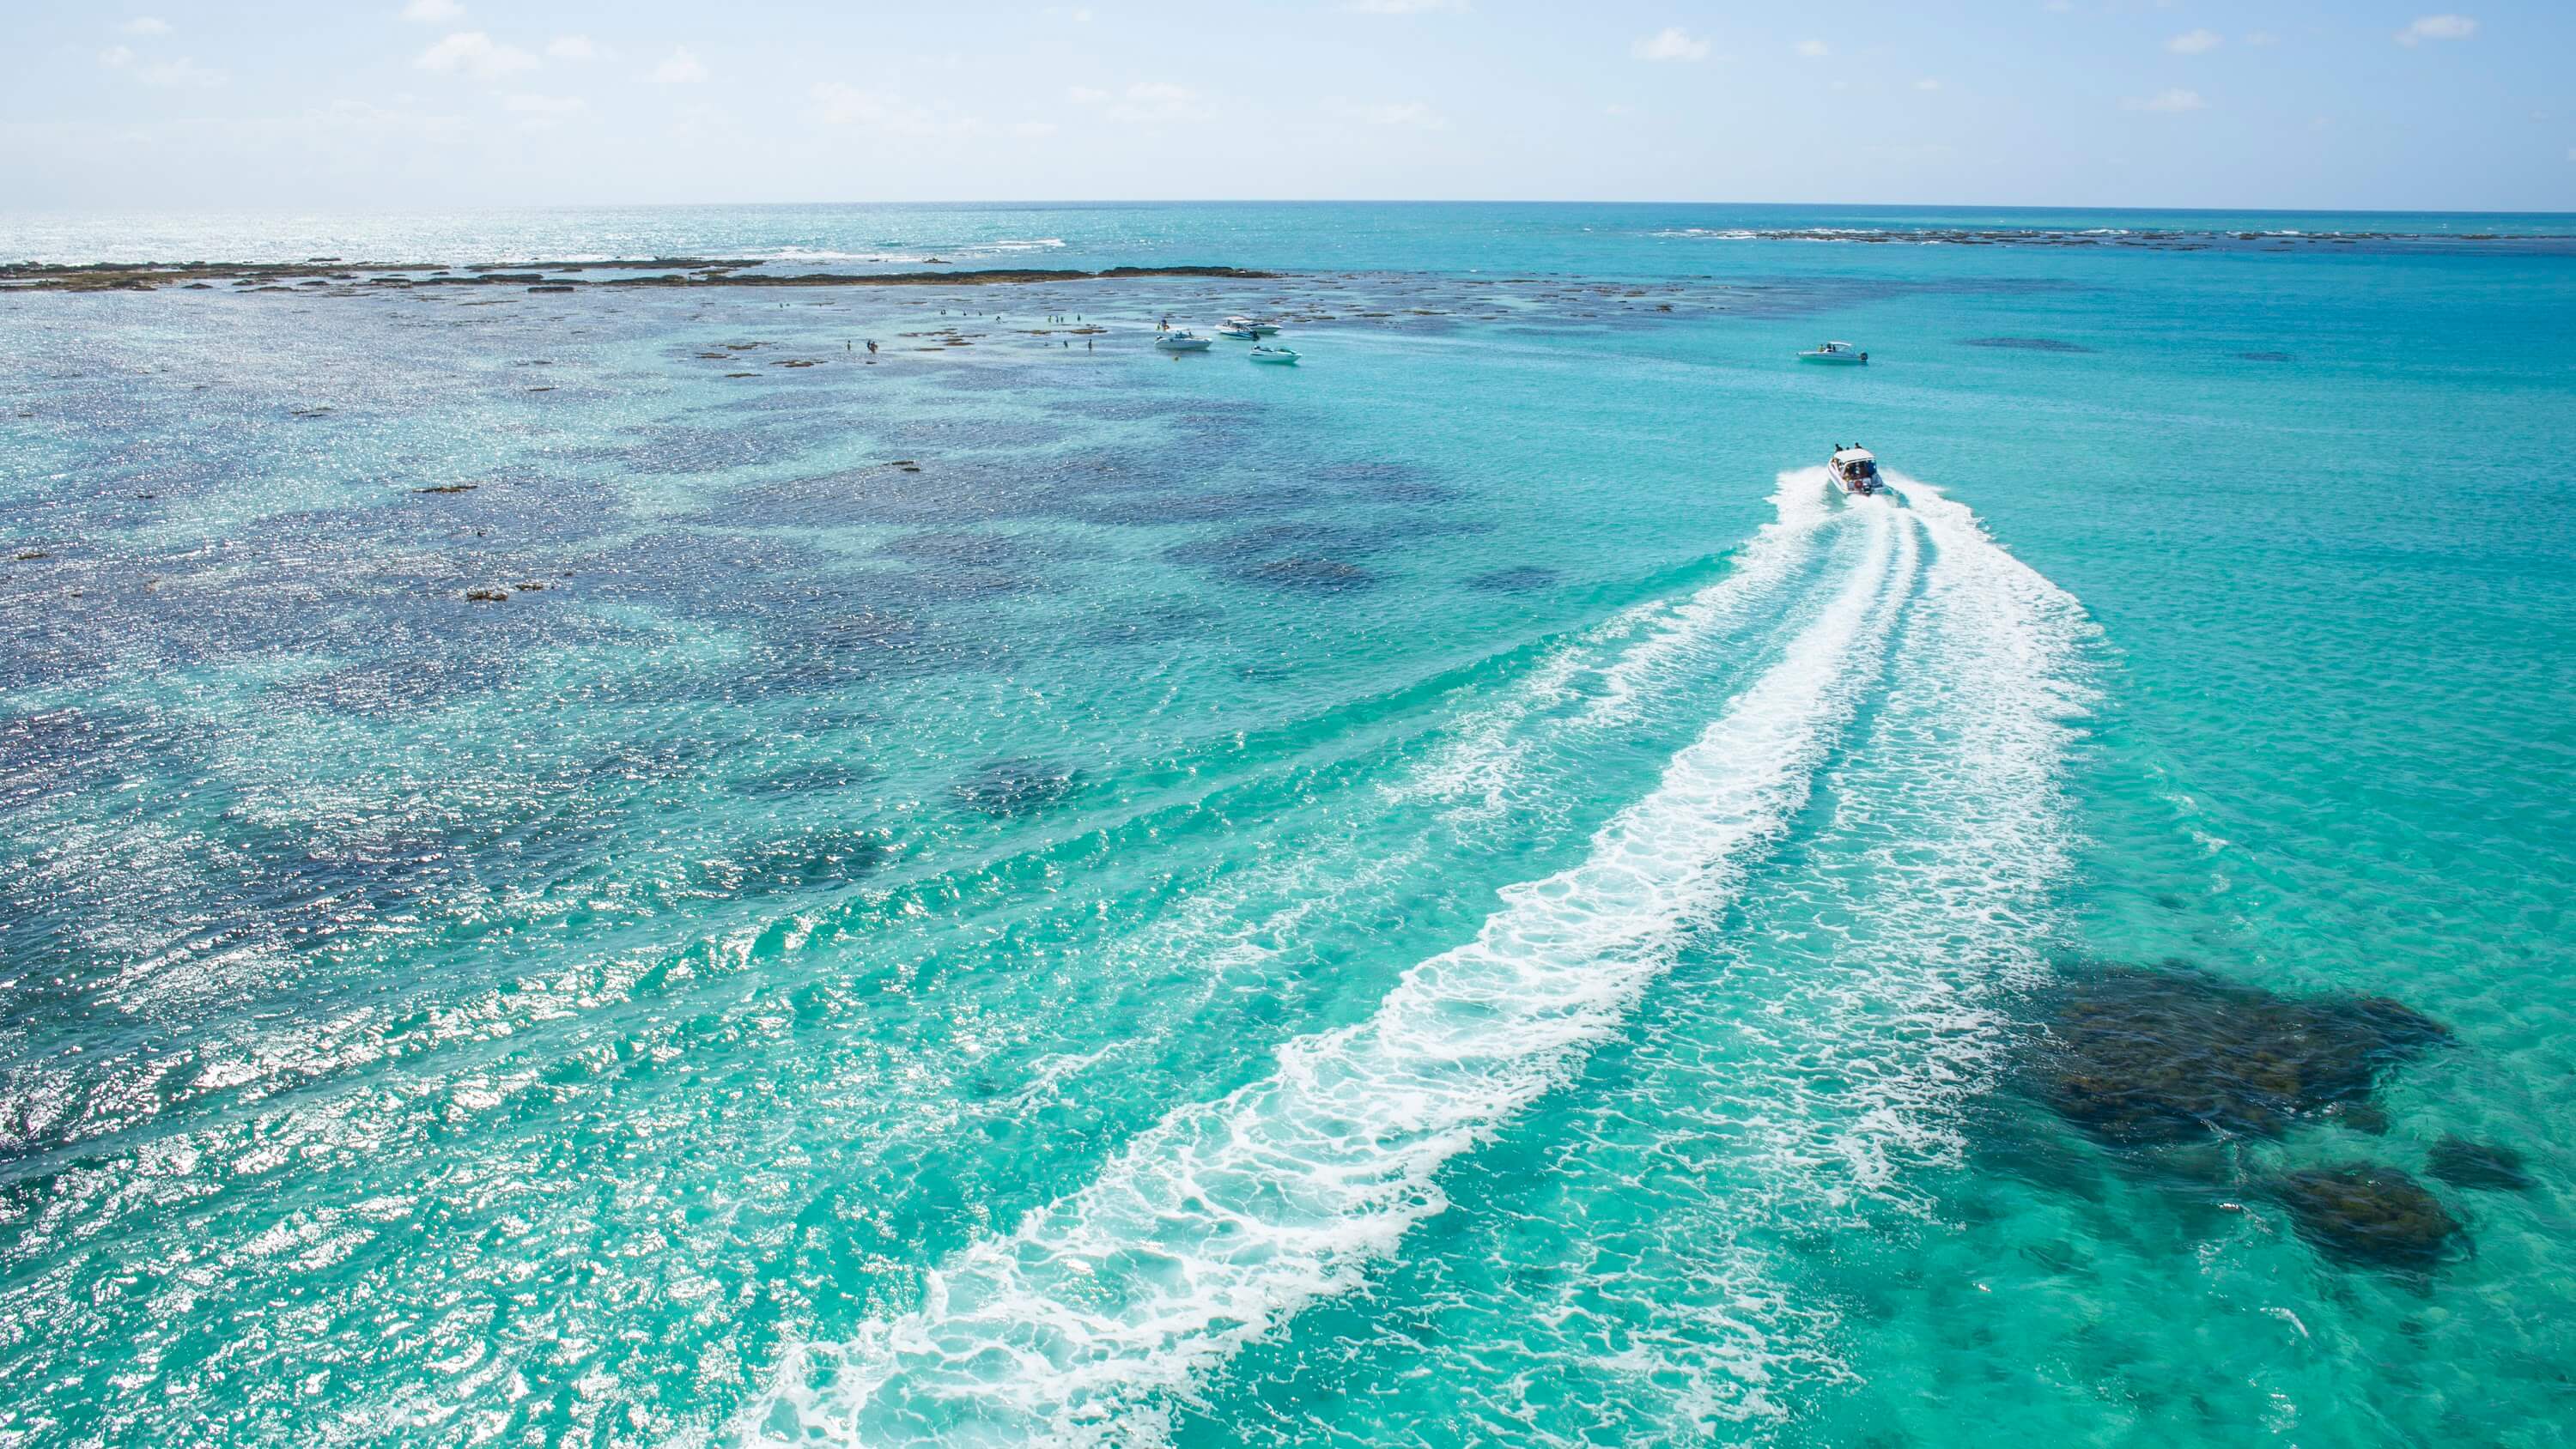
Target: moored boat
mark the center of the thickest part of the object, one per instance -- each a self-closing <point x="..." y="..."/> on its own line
<point x="1280" y="355"/>
<point x="1238" y="334"/>
<point x="1836" y="353"/>
<point x="1254" y="325"/>
<point x="1182" y="341"/>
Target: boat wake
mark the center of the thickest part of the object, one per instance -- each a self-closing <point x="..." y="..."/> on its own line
<point x="1217" y="1226"/>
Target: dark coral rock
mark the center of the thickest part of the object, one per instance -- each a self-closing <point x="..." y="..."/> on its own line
<point x="2369" y="1216"/>
<point x="2139" y="1057"/>
<point x="1014" y="787"/>
<point x="1327" y="575"/>
<point x="796" y="862"/>
<point x="2024" y="344"/>
<point x="1514" y="580"/>
<point x="2462" y="1163"/>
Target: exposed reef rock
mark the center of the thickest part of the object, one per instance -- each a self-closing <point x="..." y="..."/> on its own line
<point x="2139" y="1057"/>
<point x="2480" y="1165"/>
<point x="2369" y="1216"/>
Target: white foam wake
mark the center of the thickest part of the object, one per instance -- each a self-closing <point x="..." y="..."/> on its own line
<point x="1858" y="1012"/>
<point x="1228" y="1217"/>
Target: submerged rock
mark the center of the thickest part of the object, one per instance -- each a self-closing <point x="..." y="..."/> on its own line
<point x="1520" y="580"/>
<point x="1328" y="575"/>
<point x="2025" y="344"/>
<point x="2368" y="1215"/>
<point x="2140" y="1058"/>
<point x="2483" y="1165"/>
<point x="1014" y="787"/>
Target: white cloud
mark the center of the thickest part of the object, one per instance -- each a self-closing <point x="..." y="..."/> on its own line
<point x="1148" y="103"/>
<point x="892" y="113"/>
<point x="1388" y="113"/>
<point x="1927" y="84"/>
<point x="432" y="12"/>
<point x="114" y="56"/>
<point x="180" y="72"/>
<point x="679" y="68"/>
<point x="471" y="52"/>
<point x="1813" y="49"/>
<point x="2195" y="42"/>
<point x="1403" y="7"/>
<point x="571" y="47"/>
<point x="1616" y="108"/>
<point x="2437" y="27"/>
<point x="525" y="104"/>
<point x="1671" y="43"/>
<point x="2176" y="99"/>
<point x="2262" y="37"/>
<point x="146" y="25"/>
<point x="1087" y="95"/>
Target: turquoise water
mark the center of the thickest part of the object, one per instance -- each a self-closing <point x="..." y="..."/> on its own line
<point x="1020" y="893"/>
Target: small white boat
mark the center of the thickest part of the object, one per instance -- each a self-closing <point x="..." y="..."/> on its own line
<point x="1254" y="325"/>
<point x="1855" y="470"/>
<point x="1182" y="341"/>
<point x="1838" y="353"/>
<point x="1281" y="355"/>
<point x="1238" y="334"/>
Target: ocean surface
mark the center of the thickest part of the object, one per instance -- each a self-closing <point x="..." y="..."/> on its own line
<point x="1015" y="889"/>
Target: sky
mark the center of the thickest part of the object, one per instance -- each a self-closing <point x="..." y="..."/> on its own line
<point x="401" y="104"/>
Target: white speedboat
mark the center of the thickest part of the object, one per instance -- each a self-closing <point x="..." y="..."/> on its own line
<point x="1855" y="470"/>
<point x="1254" y="325"/>
<point x="1281" y="355"/>
<point x="1182" y="341"/>
<point x="1238" y="334"/>
<point x="1837" y="353"/>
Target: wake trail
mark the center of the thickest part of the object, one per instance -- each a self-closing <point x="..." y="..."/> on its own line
<point x="1228" y="1217"/>
<point x="1803" y="1079"/>
<point x="1814" y="1080"/>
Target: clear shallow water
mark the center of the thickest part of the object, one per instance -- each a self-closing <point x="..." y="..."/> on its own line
<point x="1451" y="894"/>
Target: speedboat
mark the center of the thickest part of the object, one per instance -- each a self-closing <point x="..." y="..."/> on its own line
<point x="1254" y="325"/>
<point x="1282" y="355"/>
<point x="1838" y="353"/>
<point x="1182" y="341"/>
<point x="1855" y="470"/>
<point x="1238" y="333"/>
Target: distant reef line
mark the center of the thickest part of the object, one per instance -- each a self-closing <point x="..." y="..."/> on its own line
<point x="331" y="273"/>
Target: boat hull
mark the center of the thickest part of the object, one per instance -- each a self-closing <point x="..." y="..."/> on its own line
<point x="1836" y="359"/>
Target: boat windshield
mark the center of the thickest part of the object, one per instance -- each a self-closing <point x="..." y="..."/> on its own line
<point x="1862" y="467"/>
